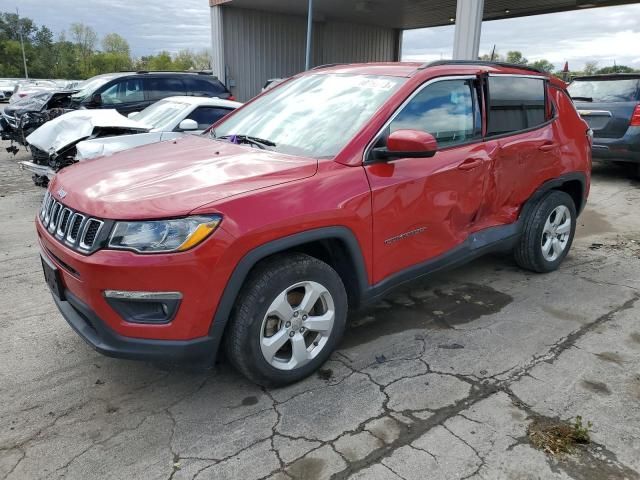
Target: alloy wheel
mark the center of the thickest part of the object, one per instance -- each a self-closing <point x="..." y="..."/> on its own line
<point x="556" y="233"/>
<point x="297" y="325"/>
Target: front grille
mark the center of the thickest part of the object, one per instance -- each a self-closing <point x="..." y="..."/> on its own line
<point x="72" y="228"/>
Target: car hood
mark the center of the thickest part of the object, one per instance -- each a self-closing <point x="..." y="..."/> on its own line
<point x="72" y="127"/>
<point x="107" y="146"/>
<point x="171" y="179"/>
<point x="36" y="102"/>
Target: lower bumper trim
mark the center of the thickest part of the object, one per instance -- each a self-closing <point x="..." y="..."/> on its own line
<point x="103" y="339"/>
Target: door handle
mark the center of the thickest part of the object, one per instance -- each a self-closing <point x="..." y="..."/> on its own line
<point x="470" y="164"/>
<point x="547" y="147"/>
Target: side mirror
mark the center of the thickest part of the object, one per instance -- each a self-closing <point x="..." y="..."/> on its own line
<point x="188" y="124"/>
<point x="133" y="115"/>
<point x="96" y="99"/>
<point x="407" y="144"/>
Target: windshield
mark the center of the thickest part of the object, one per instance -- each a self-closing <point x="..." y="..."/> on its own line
<point x="161" y="113"/>
<point x="91" y="85"/>
<point x="624" y="90"/>
<point x="315" y="115"/>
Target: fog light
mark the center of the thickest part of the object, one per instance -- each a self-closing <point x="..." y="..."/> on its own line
<point x="144" y="307"/>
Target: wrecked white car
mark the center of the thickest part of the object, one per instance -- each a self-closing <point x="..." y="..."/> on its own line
<point x="87" y="134"/>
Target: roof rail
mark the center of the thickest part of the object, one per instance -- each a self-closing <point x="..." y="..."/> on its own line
<point x="483" y="63"/>
<point x="195" y="72"/>
<point x="328" y="65"/>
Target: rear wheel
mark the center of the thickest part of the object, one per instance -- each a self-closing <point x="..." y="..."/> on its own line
<point x="288" y="319"/>
<point x="548" y="233"/>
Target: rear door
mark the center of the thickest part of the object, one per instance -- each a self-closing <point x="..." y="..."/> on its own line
<point x="157" y="88"/>
<point x="606" y="103"/>
<point x="520" y="122"/>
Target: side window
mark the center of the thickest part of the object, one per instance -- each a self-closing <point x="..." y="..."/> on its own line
<point x="207" y="116"/>
<point x="204" y="88"/>
<point x="446" y="109"/>
<point x="124" y="91"/>
<point x="159" y="88"/>
<point x="516" y="103"/>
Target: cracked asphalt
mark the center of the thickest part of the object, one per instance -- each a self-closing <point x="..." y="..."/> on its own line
<point x="440" y="380"/>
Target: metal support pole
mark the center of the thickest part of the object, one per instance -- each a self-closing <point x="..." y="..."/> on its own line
<point x="307" y="62"/>
<point x="24" y="57"/>
<point x="466" y="43"/>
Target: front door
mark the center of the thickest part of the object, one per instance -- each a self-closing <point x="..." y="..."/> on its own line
<point x="126" y="96"/>
<point x="425" y="207"/>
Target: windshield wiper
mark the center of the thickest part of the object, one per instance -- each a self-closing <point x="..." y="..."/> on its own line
<point x="258" y="142"/>
<point x="584" y="99"/>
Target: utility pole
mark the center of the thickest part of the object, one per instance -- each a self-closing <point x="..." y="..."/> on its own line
<point x="307" y="60"/>
<point x="24" y="57"/>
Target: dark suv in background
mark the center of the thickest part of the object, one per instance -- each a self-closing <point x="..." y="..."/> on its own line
<point x="611" y="106"/>
<point x="126" y="92"/>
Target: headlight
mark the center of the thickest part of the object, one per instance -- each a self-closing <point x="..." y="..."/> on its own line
<point x="157" y="236"/>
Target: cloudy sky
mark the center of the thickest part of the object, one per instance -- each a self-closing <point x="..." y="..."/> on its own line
<point x="601" y="34"/>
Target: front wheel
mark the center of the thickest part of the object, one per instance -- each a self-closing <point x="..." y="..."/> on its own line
<point x="288" y="319"/>
<point x="548" y="233"/>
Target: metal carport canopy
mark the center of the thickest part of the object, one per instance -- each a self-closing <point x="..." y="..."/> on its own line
<point x="408" y="14"/>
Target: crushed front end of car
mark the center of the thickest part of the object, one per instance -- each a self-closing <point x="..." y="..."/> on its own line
<point x="53" y="145"/>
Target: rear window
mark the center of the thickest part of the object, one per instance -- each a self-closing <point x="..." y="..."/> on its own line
<point x="200" y="87"/>
<point x="605" y="90"/>
<point x="515" y="103"/>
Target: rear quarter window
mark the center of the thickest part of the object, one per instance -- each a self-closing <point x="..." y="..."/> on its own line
<point x="516" y="103"/>
<point x="201" y="87"/>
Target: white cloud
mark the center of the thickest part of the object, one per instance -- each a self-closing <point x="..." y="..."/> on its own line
<point x="600" y="34"/>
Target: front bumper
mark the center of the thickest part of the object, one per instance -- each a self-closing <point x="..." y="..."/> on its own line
<point x="41" y="170"/>
<point x="189" y="334"/>
<point x="98" y="335"/>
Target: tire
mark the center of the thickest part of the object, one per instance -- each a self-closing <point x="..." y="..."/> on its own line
<point x="281" y="286"/>
<point x="533" y="252"/>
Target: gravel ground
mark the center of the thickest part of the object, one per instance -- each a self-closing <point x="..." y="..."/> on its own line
<point x="443" y="377"/>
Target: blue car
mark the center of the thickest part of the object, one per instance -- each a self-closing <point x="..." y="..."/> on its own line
<point x="611" y="106"/>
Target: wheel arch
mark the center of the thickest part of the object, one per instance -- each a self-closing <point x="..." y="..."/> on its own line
<point x="573" y="183"/>
<point x="336" y="246"/>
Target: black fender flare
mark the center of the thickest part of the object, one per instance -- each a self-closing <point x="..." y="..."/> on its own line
<point x="554" y="184"/>
<point x="251" y="258"/>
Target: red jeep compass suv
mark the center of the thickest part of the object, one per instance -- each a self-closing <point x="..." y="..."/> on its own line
<point x="317" y="197"/>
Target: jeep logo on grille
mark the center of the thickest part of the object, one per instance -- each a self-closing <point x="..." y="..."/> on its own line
<point x="62" y="193"/>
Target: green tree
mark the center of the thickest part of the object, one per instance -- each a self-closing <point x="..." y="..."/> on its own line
<point x="114" y="43"/>
<point x="544" y="65"/>
<point x="202" y="60"/>
<point x="115" y="56"/>
<point x="516" y="58"/>
<point x="486" y="57"/>
<point x="183" y="60"/>
<point x="85" y="39"/>
<point x="161" y="61"/>
<point x="615" y="69"/>
<point x="590" y="68"/>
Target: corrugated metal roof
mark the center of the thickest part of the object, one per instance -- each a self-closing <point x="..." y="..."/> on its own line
<point x="407" y="14"/>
